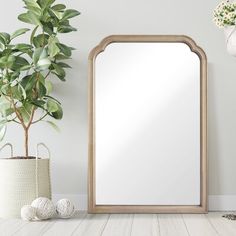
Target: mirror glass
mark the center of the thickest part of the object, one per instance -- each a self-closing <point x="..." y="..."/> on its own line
<point x="147" y="132"/>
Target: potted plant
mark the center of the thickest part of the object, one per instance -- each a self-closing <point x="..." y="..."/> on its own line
<point x="224" y="17"/>
<point x="25" y="96"/>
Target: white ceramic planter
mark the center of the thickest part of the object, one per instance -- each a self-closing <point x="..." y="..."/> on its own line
<point x="21" y="181"/>
<point x="230" y="37"/>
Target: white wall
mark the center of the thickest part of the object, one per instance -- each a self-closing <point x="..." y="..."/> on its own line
<point x="105" y="17"/>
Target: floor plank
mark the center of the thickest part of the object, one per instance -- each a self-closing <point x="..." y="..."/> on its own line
<point x="222" y="225"/>
<point x="35" y="228"/>
<point x="172" y="225"/>
<point x="11" y="226"/>
<point x="91" y="225"/>
<point x="199" y="225"/>
<point x="145" y="225"/>
<point x="84" y="224"/>
<point x="63" y="227"/>
<point x="118" y="224"/>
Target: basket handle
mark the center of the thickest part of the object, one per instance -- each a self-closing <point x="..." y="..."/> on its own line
<point x="11" y="148"/>
<point x="36" y="165"/>
<point x="45" y="146"/>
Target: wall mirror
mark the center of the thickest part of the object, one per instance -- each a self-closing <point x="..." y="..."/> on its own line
<point x="147" y="125"/>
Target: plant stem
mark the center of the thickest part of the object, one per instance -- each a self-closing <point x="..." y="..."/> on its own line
<point x="26" y="129"/>
<point x="41" y="118"/>
<point x="26" y="143"/>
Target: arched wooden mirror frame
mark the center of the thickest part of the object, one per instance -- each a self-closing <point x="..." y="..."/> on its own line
<point x="202" y="208"/>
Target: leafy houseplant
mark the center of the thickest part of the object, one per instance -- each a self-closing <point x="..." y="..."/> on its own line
<point x="25" y="68"/>
<point x="25" y="96"/>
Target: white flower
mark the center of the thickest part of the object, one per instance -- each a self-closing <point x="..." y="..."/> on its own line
<point x="224" y="14"/>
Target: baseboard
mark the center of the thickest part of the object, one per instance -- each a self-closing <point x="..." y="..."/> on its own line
<point x="216" y="202"/>
<point x="222" y="202"/>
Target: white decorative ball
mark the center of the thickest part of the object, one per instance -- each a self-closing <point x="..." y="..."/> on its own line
<point x="28" y="213"/>
<point x="45" y="208"/>
<point x="65" y="208"/>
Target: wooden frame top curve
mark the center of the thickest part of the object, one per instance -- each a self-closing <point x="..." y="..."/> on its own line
<point x="92" y="207"/>
<point x="147" y="38"/>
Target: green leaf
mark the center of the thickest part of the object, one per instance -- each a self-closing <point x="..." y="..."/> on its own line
<point x="5" y="88"/>
<point x="25" y="114"/>
<point x="47" y="96"/>
<point x="26" y="67"/>
<point x="5" y="37"/>
<point x="59" y="7"/>
<point x="49" y="86"/>
<point x="43" y="64"/>
<point x="37" y="11"/>
<point x="45" y="3"/>
<point x="48" y="27"/>
<point x="70" y="13"/>
<point x="63" y="65"/>
<point x="23" y="47"/>
<point x="41" y="89"/>
<point x="2" y="46"/>
<point x="3" y="62"/>
<point x="57" y="114"/>
<point x="53" y="125"/>
<point x="18" y="63"/>
<point x="59" y="71"/>
<point x="52" y="105"/>
<point x="39" y="53"/>
<point x="57" y="15"/>
<point x="31" y="81"/>
<point x="19" y="32"/>
<point x="38" y="103"/>
<point x="14" y="82"/>
<point x="22" y="91"/>
<point x="7" y="61"/>
<point x="31" y="3"/>
<point x="33" y="34"/>
<point x="53" y="49"/>
<point x="4" y="104"/>
<point x="64" y="49"/>
<point x="30" y="18"/>
<point x="28" y="82"/>
<point x="40" y="59"/>
<point x="61" y="57"/>
<point x="40" y="40"/>
<point x="66" y="29"/>
<point x="2" y="41"/>
<point x="5" y="107"/>
<point x="24" y="17"/>
<point x="65" y="23"/>
<point x="15" y="93"/>
<point x="8" y="112"/>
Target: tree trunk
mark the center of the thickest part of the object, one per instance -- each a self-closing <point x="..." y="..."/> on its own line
<point x="26" y="143"/>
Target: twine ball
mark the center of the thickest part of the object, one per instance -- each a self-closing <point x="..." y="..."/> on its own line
<point x="45" y="208"/>
<point x="65" y="208"/>
<point x="28" y="212"/>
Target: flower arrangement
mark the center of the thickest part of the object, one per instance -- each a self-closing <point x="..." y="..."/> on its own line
<point x="225" y="14"/>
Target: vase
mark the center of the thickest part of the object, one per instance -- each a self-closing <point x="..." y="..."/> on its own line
<point x="230" y="37"/>
<point x="21" y="181"/>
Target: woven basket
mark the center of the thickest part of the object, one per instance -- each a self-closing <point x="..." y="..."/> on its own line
<point x="21" y="181"/>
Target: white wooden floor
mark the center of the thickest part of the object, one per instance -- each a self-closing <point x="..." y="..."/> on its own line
<point x="124" y="225"/>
